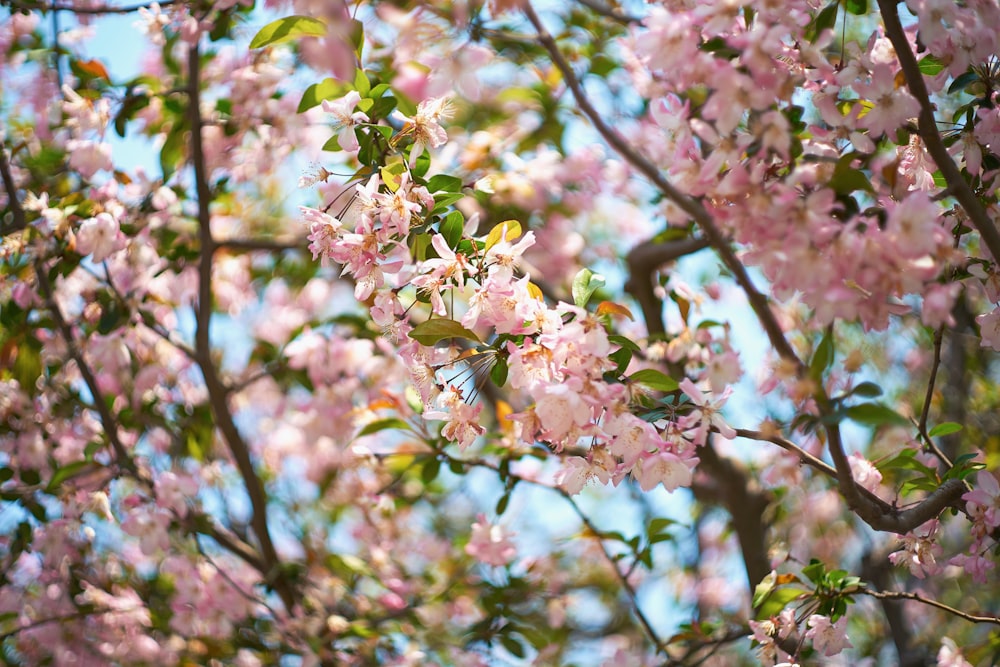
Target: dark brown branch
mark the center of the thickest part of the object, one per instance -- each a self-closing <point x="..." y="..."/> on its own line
<point x="216" y="389"/>
<point x="929" y="132"/>
<point x="926" y="410"/>
<point x="879" y="514"/>
<point x="746" y="503"/>
<point x="713" y="235"/>
<point x="19" y="221"/>
<point x="642" y="262"/>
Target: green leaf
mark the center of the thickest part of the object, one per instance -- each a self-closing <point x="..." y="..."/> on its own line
<point x="906" y="460"/>
<point x="815" y="570"/>
<point x="443" y="201"/>
<point x="624" y="342"/>
<point x="502" y="504"/>
<point x="659" y="524"/>
<point x="172" y="151"/>
<point x="946" y="428"/>
<point x="384" y="425"/>
<point x="779" y="599"/>
<point x="654" y="379"/>
<point x="357" y="36"/>
<point x="822" y="357"/>
<point x="856" y="7"/>
<point x="514" y="646"/>
<point x="930" y="66"/>
<point x="499" y="372"/>
<point x="64" y="473"/>
<point x="287" y="29"/>
<point x="361" y="83"/>
<point x="430" y="471"/>
<point x="433" y="331"/>
<point x="825" y="20"/>
<point x="585" y="284"/>
<point x="327" y="89"/>
<point x="846" y="179"/>
<point x="444" y="182"/>
<point x="875" y="414"/>
<point x="764" y="588"/>
<point x="963" y="80"/>
<point x="867" y="390"/>
<point x="622" y="358"/>
<point x="452" y="227"/>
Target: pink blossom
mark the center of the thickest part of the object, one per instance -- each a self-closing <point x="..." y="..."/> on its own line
<point x="347" y="118"/>
<point x="98" y="237"/>
<point x="984" y="500"/>
<point x="707" y="413"/>
<point x="892" y="105"/>
<point x="920" y="551"/>
<point x="989" y="329"/>
<point x="975" y="565"/>
<point x="950" y="656"/>
<point x="865" y="474"/>
<point x="490" y="544"/>
<point x="664" y="468"/>
<point x="828" y="638"/>
<point x="89" y="157"/>
<point x="462" y="424"/>
<point x="425" y="125"/>
<point x="561" y="410"/>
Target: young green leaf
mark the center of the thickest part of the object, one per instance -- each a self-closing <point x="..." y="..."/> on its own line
<point x="434" y="331"/>
<point x="585" y="284"/>
<point x="945" y="428"/>
<point x="654" y="379"/>
<point x="287" y="29"/>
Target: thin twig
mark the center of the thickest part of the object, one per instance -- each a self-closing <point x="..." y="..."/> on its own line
<point x="107" y="419"/>
<point x="917" y="597"/>
<point x="627" y="586"/>
<point x="925" y="412"/>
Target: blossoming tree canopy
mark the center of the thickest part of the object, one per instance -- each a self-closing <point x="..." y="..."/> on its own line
<point x="506" y="332"/>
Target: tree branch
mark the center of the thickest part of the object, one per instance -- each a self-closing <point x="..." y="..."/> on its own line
<point x="879" y="514"/>
<point x="19" y="221"/>
<point x="745" y="502"/>
<point x="216" y="389"/>
<point x="875" y="569"/>
<point x="105" y="9"/>
<point x="927" y="125"/>
<point x="917" y="597"/>
<point x="713" y="235"/>
<point x="642" y="261"/>
<point x="108" y="421"/>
